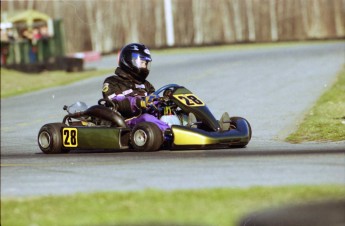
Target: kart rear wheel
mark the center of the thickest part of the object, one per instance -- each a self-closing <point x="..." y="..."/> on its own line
<point x="146" y="136"/>
<point x="50" y="140"/>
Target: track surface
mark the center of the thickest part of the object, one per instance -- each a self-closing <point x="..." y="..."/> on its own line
<point x="272" y="87"/>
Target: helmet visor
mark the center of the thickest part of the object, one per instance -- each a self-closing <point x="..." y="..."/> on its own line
<point x="141" y="61"/>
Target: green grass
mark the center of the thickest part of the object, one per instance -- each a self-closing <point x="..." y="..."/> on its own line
<point x="155" y="207"/>
<point x="326" y="120"/>
<point x="16" y="83"/>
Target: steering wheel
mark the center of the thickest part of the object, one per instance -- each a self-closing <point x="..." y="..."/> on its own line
<point x="163" y="88"/>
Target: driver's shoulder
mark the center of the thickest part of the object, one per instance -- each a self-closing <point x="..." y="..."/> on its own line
<point x="149" y="86"/>
<point x="113" y="79"/>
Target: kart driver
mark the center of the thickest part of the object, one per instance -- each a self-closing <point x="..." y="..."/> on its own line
<point x="129" y="87"/>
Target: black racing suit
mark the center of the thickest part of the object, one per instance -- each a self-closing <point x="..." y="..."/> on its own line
<point x="126" y="91"/>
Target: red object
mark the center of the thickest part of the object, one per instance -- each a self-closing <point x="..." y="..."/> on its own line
<point x="88" y="56"/>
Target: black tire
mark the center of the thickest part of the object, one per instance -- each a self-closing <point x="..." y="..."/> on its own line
<point x="146" y="136"/>
<point x="50" y="140"/>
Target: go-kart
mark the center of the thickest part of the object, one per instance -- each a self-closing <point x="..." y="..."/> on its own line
<point x="102" y="127"/>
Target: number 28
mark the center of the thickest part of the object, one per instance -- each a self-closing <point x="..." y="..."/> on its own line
<point x="70" y="137"/>
<point x="189" y="99"/>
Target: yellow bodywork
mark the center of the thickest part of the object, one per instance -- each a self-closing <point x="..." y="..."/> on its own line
<point x="186" y="137"/>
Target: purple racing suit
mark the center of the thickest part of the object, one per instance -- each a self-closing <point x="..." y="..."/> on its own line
<point x="145" y="117"/>
<point x="128" y="94"/>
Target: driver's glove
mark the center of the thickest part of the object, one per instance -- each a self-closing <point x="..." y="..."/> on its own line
<point x="141" y="104"/>
<point x="146" y="102"/>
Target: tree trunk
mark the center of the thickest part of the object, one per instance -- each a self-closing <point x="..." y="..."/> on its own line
<point x="159" y="27"/>
<point x="315" y="28"/>
<point x="251" y="21"/>
<point x="273" y="18"/>
<point x="339" y="6"/>
<point x="237" y="19"/>
<point x="90" y="19"/>
<point x="198" y="22"/>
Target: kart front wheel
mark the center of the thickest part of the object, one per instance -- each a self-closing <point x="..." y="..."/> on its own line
<point x="146" y="136"/>
<point x="50" y="139"/>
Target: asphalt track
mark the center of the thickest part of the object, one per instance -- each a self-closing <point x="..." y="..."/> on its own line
<point x="272" y="87"/>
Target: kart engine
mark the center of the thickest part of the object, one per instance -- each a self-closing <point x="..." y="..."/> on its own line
<point x="172" y="116"/>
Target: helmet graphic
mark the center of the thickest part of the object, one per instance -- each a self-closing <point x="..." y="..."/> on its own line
<point x="135" y="59"/>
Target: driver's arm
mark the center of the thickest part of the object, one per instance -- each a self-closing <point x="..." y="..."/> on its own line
<point x="127" y="105"/>
<point x="149" y="87"/>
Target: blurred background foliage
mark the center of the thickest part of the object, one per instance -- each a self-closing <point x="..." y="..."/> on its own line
<point x="106" y="25"/>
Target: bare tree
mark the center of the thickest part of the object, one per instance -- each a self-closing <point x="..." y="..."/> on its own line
<point x="105" y="25"/>
<point x="89" y="12"/>
<point x="315" y="29"/>
<point x="339" y="7"/>
<point x="251" y="21"/>
<point x="274" y="23"/>
<point x="159" y="28"/>
<point x="226" y="21"/>
<point x="237" y="19"/>
<point x="198" y="21"/>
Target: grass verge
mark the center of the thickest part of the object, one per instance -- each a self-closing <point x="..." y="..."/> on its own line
<point x="155" y="207"/>
<point x="326" y="120"/>
<point x="16" y="83"/>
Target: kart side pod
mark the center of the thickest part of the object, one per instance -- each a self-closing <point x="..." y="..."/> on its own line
<point x="239" y="137"/>
<point x="101" y="112"/>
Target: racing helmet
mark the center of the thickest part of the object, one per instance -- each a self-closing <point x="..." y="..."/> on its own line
<point x="135" y="59"/>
